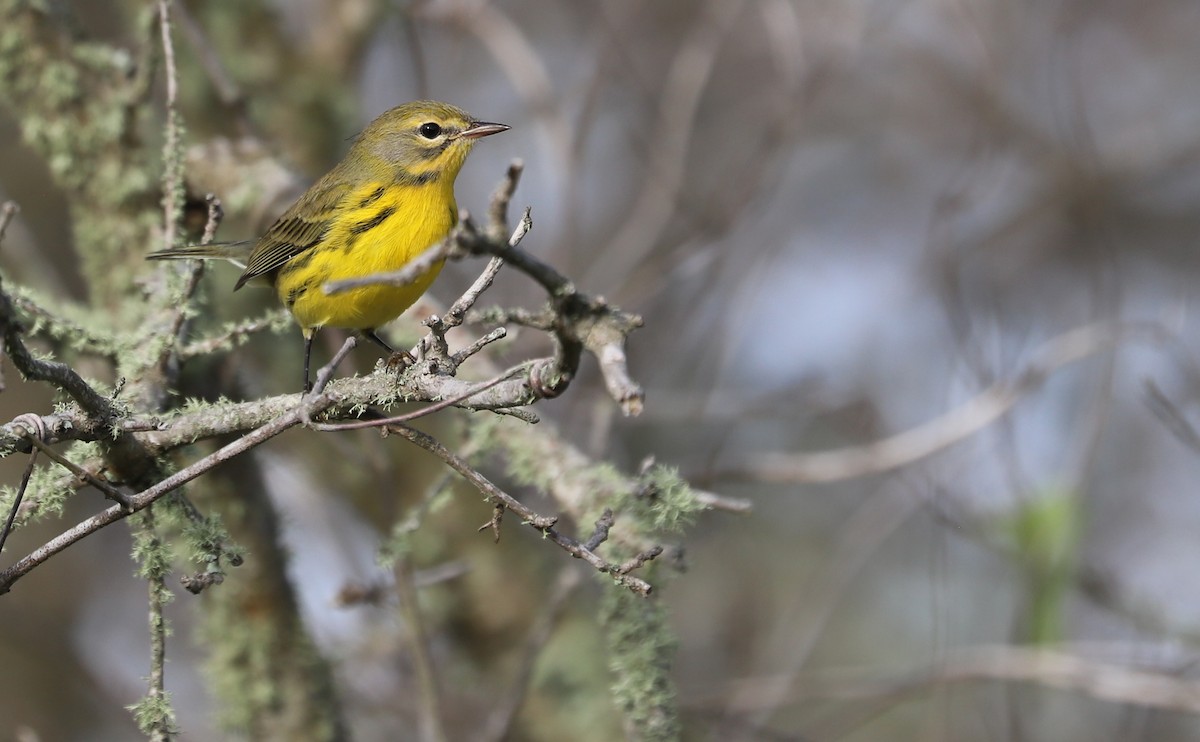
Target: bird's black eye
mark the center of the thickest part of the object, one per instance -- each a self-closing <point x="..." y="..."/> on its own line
<point x="430" y="130"/>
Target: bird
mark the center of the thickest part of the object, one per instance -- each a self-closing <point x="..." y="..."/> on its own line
<point x="386" y="202"/>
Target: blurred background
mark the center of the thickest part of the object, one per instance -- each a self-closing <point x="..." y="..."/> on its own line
<point x="840" y="221"/>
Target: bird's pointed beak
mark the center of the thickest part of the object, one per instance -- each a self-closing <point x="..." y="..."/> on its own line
<point x="483" y="129"/>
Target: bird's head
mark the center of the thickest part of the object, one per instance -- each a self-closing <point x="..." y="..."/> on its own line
<point x="425" y="141"/>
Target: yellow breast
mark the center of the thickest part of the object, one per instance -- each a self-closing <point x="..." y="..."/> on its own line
<point x="377" y="229"/>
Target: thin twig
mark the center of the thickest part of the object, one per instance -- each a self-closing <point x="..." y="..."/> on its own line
<point x="325" y="374"/>
<point x="459" y="356"/>
<point x="494" y="522"/>
<point x="603" y="525"/>
<point x="454" y="315"/>
<point x="107" y="488"/>
<point x="16" y="505"/>
<point x="543" y="524"/>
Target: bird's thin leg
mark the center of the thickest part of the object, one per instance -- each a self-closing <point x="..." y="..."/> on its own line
<point x="309" y="334"/>
<point x="369" y="334"/>
<point x="396" y="358"/>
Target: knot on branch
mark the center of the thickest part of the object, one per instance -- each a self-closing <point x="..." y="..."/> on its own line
<point x="32" y="424"/>
<point x="547" y="379"/>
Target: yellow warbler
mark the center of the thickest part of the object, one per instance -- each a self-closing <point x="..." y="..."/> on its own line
<point x="385" y="203"/>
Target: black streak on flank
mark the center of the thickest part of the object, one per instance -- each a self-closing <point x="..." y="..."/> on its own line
<point x="375" y="196"/>
<point x="367" y="225"/>
<point x="293" y="295"/>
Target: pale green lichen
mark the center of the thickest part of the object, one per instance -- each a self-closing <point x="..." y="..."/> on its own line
<point x="641" y="647"/>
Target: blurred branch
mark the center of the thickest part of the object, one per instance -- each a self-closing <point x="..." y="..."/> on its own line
<point x="499" y="725"/>
<point x="679" y="101"/>
<point x="952" y="427"/>
<point x="1171" y="416"/>
<point x="513" y="51"/>
<point x="1062" y="670"/>
<point x="430" y="726"/>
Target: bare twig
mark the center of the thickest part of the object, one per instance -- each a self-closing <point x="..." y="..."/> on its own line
<point x="325" y="374"/>
<point x="540" y="523"/>
<point x="479" y="344"/>
<point x="494" y="522"/>
<point x="454" y="315"/>
<point x="603" y="525"/>
<point x="16" y="505"/>
<point x="639" y="560"/>
<point x="580" y="322"/>
<point x="84" y="475"/>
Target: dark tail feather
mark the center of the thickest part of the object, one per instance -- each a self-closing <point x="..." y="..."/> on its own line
<point x="235" y="252"/>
